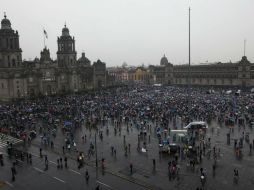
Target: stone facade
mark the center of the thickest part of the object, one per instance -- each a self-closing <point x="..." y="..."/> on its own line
<point x="240" y="74"/>
<point x="44" y="76"/>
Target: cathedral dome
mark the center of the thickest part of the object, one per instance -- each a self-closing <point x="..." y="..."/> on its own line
<point x="5" y="23"/>
<point x="164" y="60"/>
<point x="65" y="31"/>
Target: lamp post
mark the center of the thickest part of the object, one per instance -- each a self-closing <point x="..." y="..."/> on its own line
<point x="95" y="144"/>
<point x="189" y="76"/>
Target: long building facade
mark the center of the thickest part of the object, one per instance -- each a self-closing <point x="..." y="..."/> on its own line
<point x="239" y="74"/>
<point x="44" y="76"/>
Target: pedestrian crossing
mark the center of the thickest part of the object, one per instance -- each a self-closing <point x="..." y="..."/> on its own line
<point x="6" y="138"/>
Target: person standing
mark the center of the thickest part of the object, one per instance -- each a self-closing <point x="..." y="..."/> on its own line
<point x="40" y="152"/>
<point x="214" y="167"/>
<point x="30" y="158"/>
<point x="65" y="162"/>
<point x="58" y="164"/>
<point x="1" y="159"/>
<point x="63" y="150"/>
<point x="46" y="162"/>
<point x="87" y="177"/>
<point x="131" y="168"/>
<point x="61" y="163"/>
<point x="13" y="172"/>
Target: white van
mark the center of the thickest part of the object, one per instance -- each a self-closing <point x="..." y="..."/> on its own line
<point x="178" y="136"/>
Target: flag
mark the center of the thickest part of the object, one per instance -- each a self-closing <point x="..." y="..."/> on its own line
<point x="45" y="33"/>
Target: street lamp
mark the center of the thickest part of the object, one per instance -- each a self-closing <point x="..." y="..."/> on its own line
<point x="95" y="144"/>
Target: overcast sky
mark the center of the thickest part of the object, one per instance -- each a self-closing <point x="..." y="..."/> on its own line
<point x="137" y="31"/>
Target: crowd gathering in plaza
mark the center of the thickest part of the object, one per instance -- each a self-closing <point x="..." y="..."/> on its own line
<point x="144" y="108"/>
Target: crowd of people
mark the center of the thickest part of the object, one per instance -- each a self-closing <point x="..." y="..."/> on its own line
<point x="141" y="107"/>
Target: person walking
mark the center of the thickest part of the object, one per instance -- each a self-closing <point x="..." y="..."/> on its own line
<point x="115" y="152"/>
<point x="63" y="150"/>
<point x="87" y="177"/>
<point x="40" y="152"/>
<point x="131" y="168"/>
<point x="65" y="162"/>
<point x="30" y="158"/>
<point x="214" y="167"/>
<point x="154" y="164"/>
<point x="46" y="163"/>
<point x="13" y="173"/>
<point x="61" y="163"/>
<point x="236" y="176"/>
<point x="58" y="164"/>
<point x="1" y="159"/>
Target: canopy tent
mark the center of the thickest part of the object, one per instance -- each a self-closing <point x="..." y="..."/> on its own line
<point x="197" y="125"/>
<point x="67" y="124"/>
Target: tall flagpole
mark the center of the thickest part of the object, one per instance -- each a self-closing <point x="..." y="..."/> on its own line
<point x="244" y="48"/>
<point x="189" y="52"/>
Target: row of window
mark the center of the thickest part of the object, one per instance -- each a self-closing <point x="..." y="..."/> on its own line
<point x="13" y="62"/>
<point x="66" y="47"/>
<point x="208" y="81"/>
<point x="206" y="76"/>
<point x="139" y="77"/>
<point x="208" y="68"/>
<point x="9" y="43"/>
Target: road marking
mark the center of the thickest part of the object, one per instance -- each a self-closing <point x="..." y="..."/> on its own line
<point x="35" y="155"/>
<point x="39" y="170"/>
<point x="52" y="162"/>
<point x="75" y="171"/>
<point x="104" y="184"/>
<point x="59" y="179"/>
<point x="8" y="183"/>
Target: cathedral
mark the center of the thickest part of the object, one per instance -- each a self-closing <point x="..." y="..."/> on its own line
<point x="44" y="76"/>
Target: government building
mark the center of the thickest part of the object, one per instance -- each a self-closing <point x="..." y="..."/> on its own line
<point x="239" y="74"/>
<point x="44" y="76"/>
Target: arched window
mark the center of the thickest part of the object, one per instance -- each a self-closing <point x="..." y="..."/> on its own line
<point x="16" y="43"/>
<point x="13" y="63"/>
<point x="8" y="58"/>
<point x="11" y="43"/>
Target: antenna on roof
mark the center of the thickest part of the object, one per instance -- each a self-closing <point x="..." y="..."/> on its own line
<point x="244" y="47"/>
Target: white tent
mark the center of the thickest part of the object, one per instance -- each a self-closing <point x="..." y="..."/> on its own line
<point x="197" y="124"/>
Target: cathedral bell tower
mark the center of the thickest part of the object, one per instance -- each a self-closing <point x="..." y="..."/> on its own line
<point x="10" y="52"/>
<point x="66" y="54"/>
